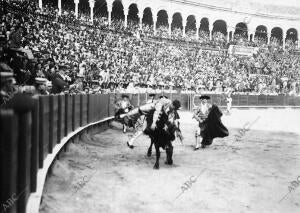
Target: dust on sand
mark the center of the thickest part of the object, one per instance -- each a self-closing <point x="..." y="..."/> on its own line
<point x="101" y="174"/>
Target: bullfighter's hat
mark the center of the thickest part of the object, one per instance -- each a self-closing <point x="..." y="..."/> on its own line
<point x="125" y="96"/>
<point x="7" y="76"/>
<point x="204" y="97"/>
<point x="40" y="80"/>
<point x="176" y="104"/>
<point x="163" y="96"/>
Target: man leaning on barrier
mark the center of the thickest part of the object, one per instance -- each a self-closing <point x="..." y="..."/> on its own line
<point x="157" y="107"/>
<point x="124" y="106"/>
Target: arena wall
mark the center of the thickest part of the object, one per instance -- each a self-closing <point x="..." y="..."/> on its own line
<point x="240" y="101"/>
<point x="33" y="132"/>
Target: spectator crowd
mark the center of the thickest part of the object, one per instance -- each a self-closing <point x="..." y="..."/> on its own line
<point x="45" y="53"/>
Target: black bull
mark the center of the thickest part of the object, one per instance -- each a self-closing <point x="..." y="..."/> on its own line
<point x="162" y="137"/>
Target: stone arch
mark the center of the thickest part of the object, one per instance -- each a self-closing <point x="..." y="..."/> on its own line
<point x="261" y="33"/>
<point x="130" y="2"/>
<point x="277" y="33"/>
<point x="204" y="24"/>
<point x="133" y="13"/>
<point x="69" y="4"/>
<point x="100" y="9"/>
<point x="83" y="6"/>
<point x="147" y="16"/>
<point x="190" y="23"/>
<point x="292" y="34"/>
<point x="162" y="18"/>
<point x="117" y="10"/>
<point x="176" y="21"/>
<point x="220" y="26"/>
<point x="241" y="29"/>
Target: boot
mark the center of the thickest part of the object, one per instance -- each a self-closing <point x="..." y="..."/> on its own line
<point x="197" y="146"/>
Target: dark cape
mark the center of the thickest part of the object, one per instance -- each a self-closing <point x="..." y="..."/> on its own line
<point x="213" y="126"/>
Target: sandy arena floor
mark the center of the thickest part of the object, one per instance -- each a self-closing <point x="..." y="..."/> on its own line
<point x="101" y="174"/>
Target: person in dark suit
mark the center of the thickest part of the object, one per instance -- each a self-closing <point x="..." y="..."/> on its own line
<point x="6" y="87"/>
<point x="58" y="84"/>
<point x="124" y="106"/>
<point x="201" y="115"/>
<point x="146" y="122"/>
<point x="210" y="124"/>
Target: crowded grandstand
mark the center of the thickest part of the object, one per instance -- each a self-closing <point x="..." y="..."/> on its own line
<point x="45" y="49"/>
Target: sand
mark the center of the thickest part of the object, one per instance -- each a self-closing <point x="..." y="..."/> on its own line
<point x="101" y="174"/>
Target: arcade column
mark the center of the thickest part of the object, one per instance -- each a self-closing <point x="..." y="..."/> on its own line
<point x="253" y="36"/>
<point x="126" y="16"/>
<point x="109" y="10"/>
<point x="197" y="28"/>
<point x="170" y="23"/>
<point x="92" y="5"/>
<point x="76" y="8"/>
<point x="183" y="31"/>
<point x="269" y="38"/>
<point x="41" y="4"/>
<point x="283" y="38"/>
<point x="59" y="7"/>
<point x="154" y="24"/>
<point x="140" y="19"/>
<point x="197" y="33"/>
<point x="210" y="31"/>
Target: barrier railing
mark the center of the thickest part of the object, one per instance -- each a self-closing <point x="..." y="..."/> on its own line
<point x="32" y="129"/>
<point x="250" y="100"/>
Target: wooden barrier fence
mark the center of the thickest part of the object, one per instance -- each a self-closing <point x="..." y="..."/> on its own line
<point x="28" y="136"/>
<point x="250" y="100"/>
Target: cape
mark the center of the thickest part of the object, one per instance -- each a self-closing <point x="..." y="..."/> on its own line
<point x="214" y="127"/>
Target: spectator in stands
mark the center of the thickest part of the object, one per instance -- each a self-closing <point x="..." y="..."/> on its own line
<point x="7" y="87"/>
<point x="58" y="41"/>
<point x="16" y="38"/>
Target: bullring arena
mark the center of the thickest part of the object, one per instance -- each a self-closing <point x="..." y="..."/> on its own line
<point x="71" y="72"/>
<point x="91" y="169"/>
<point x="251" y="175"/>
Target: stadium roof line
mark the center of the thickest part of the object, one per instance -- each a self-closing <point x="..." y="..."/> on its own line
<point x="213" y="7"/>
